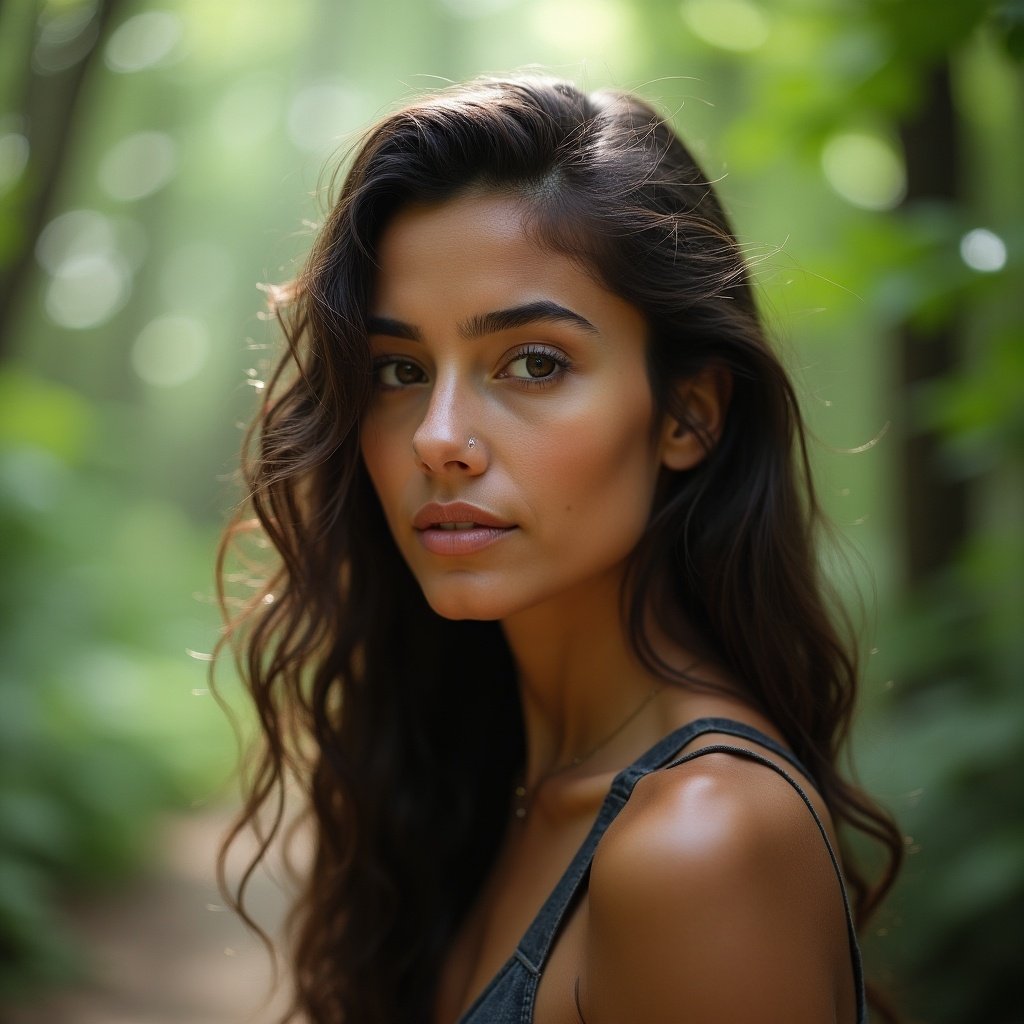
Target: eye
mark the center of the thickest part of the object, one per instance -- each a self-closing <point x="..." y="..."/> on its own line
<point x="535" y="365"/>
<point x="398" y="373"/>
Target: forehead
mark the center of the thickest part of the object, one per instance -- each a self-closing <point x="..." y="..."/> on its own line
<point x="481" y="217"/>
<point x="477" y="253"/>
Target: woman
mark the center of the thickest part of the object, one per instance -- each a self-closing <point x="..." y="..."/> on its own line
<point x="547" y="648"/>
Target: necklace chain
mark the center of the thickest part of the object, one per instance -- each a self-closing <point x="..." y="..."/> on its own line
<point x="524" y="796"/>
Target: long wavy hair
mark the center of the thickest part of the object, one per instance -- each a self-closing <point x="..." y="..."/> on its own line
<point x="369" y="703"/>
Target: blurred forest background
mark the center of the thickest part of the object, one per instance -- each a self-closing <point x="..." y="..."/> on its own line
<point x="158" y="160"/>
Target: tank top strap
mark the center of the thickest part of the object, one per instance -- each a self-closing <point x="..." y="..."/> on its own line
<point x="741" y="730"/>
<point x="536" y="944"/>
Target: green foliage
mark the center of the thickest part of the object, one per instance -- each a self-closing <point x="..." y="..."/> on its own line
<point x="196" y="135"/>
<point x="100" y="728"/>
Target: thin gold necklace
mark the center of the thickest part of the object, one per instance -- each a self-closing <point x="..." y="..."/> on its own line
<point x="524" y="797"/>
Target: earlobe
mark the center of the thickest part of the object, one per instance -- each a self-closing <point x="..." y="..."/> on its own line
<point x="694" y="424"/>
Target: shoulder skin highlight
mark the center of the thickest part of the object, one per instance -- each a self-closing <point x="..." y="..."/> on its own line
<point x="712" y="898"/>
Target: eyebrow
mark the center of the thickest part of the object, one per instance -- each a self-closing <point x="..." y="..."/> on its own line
<point x="542" y="311"/>
<point x="392" y="328"/>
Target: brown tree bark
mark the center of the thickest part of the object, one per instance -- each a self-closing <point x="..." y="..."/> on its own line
<point x="934" y="505"/>
<point x="51" y="105"/>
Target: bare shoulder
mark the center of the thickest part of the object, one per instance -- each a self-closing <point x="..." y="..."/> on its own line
<point x="718" y="819"/>
<point x="713" y="893"/>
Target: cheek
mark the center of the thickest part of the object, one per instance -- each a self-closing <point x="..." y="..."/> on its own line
<point x="380" y="437"/>
<point x="599" y="475"/>
<point x="381" y="464"/>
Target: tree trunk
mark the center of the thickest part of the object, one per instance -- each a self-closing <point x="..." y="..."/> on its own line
<point x="50" y="104"/>
<point x="934" y="506"/>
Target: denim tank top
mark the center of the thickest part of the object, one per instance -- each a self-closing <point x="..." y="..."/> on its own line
<point x="510" y="995"/>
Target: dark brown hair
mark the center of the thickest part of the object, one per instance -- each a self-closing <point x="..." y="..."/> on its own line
<point x="362" y="691"/>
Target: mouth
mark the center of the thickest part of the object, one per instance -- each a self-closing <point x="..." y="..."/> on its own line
<point x="459" y="528"/>
<point x="458" y="516"/>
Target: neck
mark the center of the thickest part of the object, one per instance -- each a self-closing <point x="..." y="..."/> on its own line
<point x="579" y="678"/>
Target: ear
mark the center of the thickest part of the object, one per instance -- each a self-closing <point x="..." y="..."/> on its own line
<point x="693" y="429"/>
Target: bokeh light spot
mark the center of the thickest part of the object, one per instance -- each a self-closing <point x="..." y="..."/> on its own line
<point x="170" y="350"/>
<point x="14" y="152"/>
<point x="87" y="290"/>
<point x="865" y="169"/>
<point x="143" y="41"/>
<point x="737" y="25"/>
<point x="476" y="8"/>
<point x="138" y="165"/>
<point x="320" y="114"/>
<point x="983" y="250"/>
<point x="90" y="274"/>
<point x="581" y="25"/>
<point x="85" y="232"/>
<point x="75" y="233"/>
<point x="67" y="32"/>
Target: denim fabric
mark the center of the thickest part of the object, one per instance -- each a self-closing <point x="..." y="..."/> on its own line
<point x="510" y="995"/>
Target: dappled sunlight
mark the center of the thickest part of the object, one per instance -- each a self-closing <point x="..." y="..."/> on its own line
<point x="476" y="8"/>
<point x="66" y="34"/>
<point x="158" y="161"/>
<point x="14" y="153"/>
<point x="865" y="169"/>
<point x="145" y="41"/>
<point x="579" y="26"/>
<point x="90" y="266"/>
<point x="983" y="250"/>
<point x="87" y="290"/>
<point x="138" y="165"/>
<point x="170" y="350"/>
<point x="737" y="25"/>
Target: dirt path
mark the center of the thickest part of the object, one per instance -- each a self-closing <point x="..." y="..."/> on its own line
<point x="164" y="950"/>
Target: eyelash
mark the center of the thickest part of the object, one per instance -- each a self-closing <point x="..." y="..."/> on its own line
<point x="379" y="364"/>
<point x="563" y="364"/>
<point x="559" y="359"/>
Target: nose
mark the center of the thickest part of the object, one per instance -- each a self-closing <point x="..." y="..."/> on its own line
<point x="444" y="441"/>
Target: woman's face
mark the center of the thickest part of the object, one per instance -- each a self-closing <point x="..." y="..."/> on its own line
<point x="510" y="438"/>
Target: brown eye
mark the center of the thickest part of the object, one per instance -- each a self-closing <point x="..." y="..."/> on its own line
<point x="539" y="365"/>
<point x="535" y="366"/>
<point x="399" y="373"/>
<point x="408" y="373"/>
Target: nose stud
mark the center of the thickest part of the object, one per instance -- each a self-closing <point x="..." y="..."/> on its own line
<point x="471" y="443"/>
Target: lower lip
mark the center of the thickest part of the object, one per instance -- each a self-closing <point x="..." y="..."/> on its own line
<point x="462" y="542"/>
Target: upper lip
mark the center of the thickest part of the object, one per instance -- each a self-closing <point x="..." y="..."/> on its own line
<point x="456" y="512"/>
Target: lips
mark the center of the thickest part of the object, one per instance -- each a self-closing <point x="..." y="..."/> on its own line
<point x="458" y="528"/>
<point x="455" y="516"/>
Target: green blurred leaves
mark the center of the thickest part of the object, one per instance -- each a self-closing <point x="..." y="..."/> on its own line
<point x="198" y="132"/>
<point x="100" y="727"/>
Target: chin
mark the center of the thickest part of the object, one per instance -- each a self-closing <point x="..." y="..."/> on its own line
<point x="458" y="602"/>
